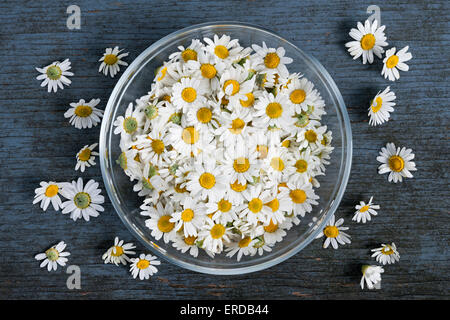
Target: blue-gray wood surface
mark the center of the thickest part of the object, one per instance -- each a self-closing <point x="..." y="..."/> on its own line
<point x="37" y="143"/>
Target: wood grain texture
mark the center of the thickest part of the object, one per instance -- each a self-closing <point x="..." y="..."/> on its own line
<point x="37" y="144"/>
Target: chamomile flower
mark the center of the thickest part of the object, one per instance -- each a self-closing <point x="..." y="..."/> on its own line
<point x="86" y="157"/>
<point x="47" y="193"/>
<point x="119" y="252"/>
<point x="234" y="127"/>
<point x="111" y="61"/>
<point x="129" y="124"/>
<point x="273" y="59"/>
<point x="365" y="211"/>
<point x="334" y="233"/>
<point x="204" y="117"/>
<point x="129" y="162"/>
<point x="207" y="68"/>
<point x="305" y="165"/>
<point x="224" y="49"/>
<point x="371" y="276"/>
<point x="397" y="162"/>
<point x="190" y="217"/>
<point x="240" y="165"/>
<point x="84" y="114"/>
<point x="187" y="93"/>
<point x="386" y="254"/>
<point x="159" y="222"/>
<point x="243" y="247"/>
<point x="253" y="209"/>
<point x="311" y="136"/>
<point x="381" y="107"/>
<point x="214" y="235"/>
<point x="301" y="94"/>
<point x="153" y="147"/>
<point x="144" y="266"/>
<point x="301" y="195"/>
<point x="151" y="182"/>
<point x="275" y="232"/>
<point x="279" y="164"/>
<point x="279" y="204"/>
<point x="185" y="244"/>
<point x="189" y="53"/>
<point x="369" y="39"/>
<point x="273" y="111"/>
<point x="83" y="201"/>
<point x="54" y="256"/>
<point x="221" y="210"/>
<point x="55" y="75"/>
<point x="235" y="192"/>
<point x="394" y="62"/>
<point x="235" y="86"/>
<point x="188" y="141"/>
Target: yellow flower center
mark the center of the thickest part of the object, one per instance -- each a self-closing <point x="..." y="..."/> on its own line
<point x="189" y="94"/>
<point x="271" y="60"/>
<point x="85" y="154"/>
<point x="244" y="242"/>
<point x="387" y="250"/>
<point x="236" y="186"/>
<point x="110" y="59"/>
<point x="143" y="264"/>
<point x="166" y="97"/>
<point x="204" y="115"/>
<point x="396" y="163"/>
<point x="263" y="151"/>
<point x="83" y="111"/>
<point x="163" y="74"/>
<point x="237" y="125"/>
<point x="286" y="143"/>
<point x="274" y="110"/>
<point x="274" y="204"/>
<point x="178" y="189"/>
<point x="208" y="70"/>
<point x="241" y="164"/>
<point x="207" y="180"/>
<point x="255" y="205"/>
<point x="311" y="136"/>
<point x="224" y="205"/>
<point x="277" y="164"/>
<point x="52" y="254"/>
<point x="221" y="52"/>
<point x="377" y="107"/>
<point x="54" y="72"/>
<point x="189" y="54"/>
<point x="164" y="225"/>
<point x="118" y="252"/>
<point x="217" y="231"/>
<point x="190" y="135"/>
<point x="51" y="190"/>
<point x="297" y="96"/>
<point x="392" y="61"/>
<point x="301" y="166"/>
<point x="82" y="200"/>
<point x="234" y="84"/>
<point x="157" y="146"/>
<point x="249" y="102"/>
<point x="298" y="196"/>
<point x="368" y="41"/>
<point x="190" y="240"/>
<point x="187" y="215"/>
<point x="364" y="209"/>
<point x="271" y="227"/>
<point x="331" y="231"/>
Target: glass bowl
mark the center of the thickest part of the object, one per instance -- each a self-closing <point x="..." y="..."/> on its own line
<point x="135" y="82"/>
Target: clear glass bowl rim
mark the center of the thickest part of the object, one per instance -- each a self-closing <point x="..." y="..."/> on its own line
<point x="343" y="174"/>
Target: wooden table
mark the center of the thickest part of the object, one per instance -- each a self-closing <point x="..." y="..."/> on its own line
<point x="38" y="144"/>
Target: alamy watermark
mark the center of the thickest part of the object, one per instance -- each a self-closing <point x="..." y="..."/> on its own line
<point x="74" y="20"/>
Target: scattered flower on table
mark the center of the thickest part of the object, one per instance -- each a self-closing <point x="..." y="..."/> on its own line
<point x="48" y="193"/>
<point x="397" y="162"/>
<point x="371" y="276"/>
<point x="86" y="157"/>
<point x="53" y="256"/>
<point x="394" y="62"/>
<point x="386" y="254"/>
<point x="144" y="266"/>
<point x="369" y="39"/>
<point x="334" y="233"/>
<point x="55" y="75"/>
<point x="84" y="114"/>
<point x="111" y="61"/>
<point x="119" y="252"/>
<point x="84" y="201"/>
<point x="381" y="107"/>
<point x="365" y="211"/>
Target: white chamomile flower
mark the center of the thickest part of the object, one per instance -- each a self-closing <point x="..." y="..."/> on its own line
<point x="273" y="59"/>
<point x="394" y="61"/>
<point x="83" y="201"/>
<point x="386" y="254"/>
<point x="397" y="162"/>
<point x="311" y="136"/>
<point x="235" y="86"/>
<point x="48" y="193"/>
<point x="189" y="53"/>
<point x="253" y="209"/>
<point x="222" y="210"/>
<point x="53" y="256"/>
<point x="365" y="211"/>
<point x="129" y="124"/>
<point x="275" y="232"/>
<point x="159" y="222"/>
<point x="235" y="192"/>
<point x="243" y="247"/>
<point x="111" y="61"/>
<point x="381" y="107"/>
<point x="118" y="252"/>
<point x="305" y="165"/>
<point x="224" y="49"/>
<point x="371" y="276"/>
<point x="55" y="75"/>
<point x="213" y="235"/>
<point x="234" y="127"/>
<point x="153" y="147"/>
<point x="207" y="68"/>
<point x="144" y="266"/>
<point x="84" y="114"/>
<point x="301" y="195"/>
<point x="369" y="39"/>
<point x="127" y="161"/>
<point x="86" y="157"/>
<point x="184" y="244"/>
<point x="301" y="94"/>
<point x="204" y="117"/>
<point x="190" y="218"/>
<point x="240" y="165"/>
<point x="279" y="164"/>
<point x="272" y="111"/>
<point x="151" y="182"/>
<point x="187" y="93"/>
<point x="188" y="141"/>
<point x="334" y="233"/>
<point x="280" y="204"/>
